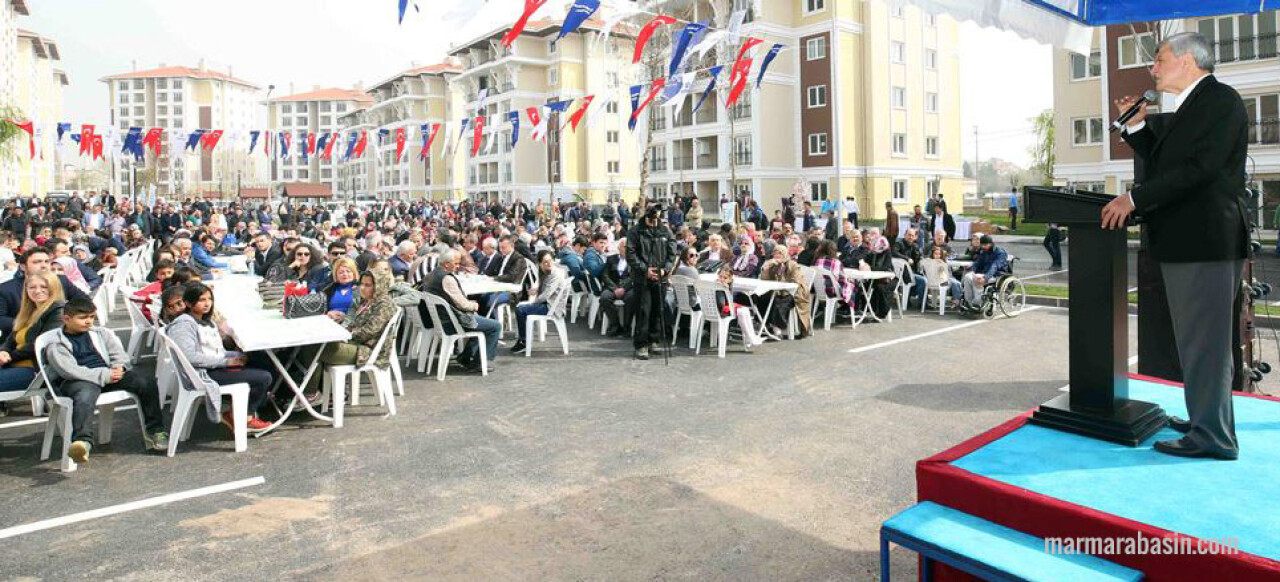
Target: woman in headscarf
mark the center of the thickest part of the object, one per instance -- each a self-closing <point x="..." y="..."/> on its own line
<point x="366" y="320"/>
<point x="41" y="311"/>
<point x="880" y="258"/>
<point x="746" y="264"/>
<point x="780" y="267"/>
<point x="72" y="272"/>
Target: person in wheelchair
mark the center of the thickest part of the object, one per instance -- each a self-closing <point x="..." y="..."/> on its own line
<point x="988" y="265"/>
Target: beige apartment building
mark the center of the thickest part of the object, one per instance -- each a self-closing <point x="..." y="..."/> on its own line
<point x="181" y="100"/>
<point x="319" y="112"/>
<point x="597" y="163"/>
<point x="38" y="94"/>
<point x="10" y="10"/>
<point x="1088" y="157"/>
<point x="863" y="102"/>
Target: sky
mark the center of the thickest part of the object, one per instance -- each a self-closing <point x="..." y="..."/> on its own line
<point x="336" y="43"/>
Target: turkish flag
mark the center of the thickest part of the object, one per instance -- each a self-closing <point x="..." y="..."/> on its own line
<point x="530" y="6"/>
<point x="478" y="136"/>
<point x="400" y="137"/>
<point x="647" y="31"/>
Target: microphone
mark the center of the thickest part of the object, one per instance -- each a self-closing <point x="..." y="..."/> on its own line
<point x="1149" y="97"/>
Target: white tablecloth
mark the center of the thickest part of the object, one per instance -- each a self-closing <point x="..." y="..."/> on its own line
<point x="858" y="275"/>
<point x="752" y="286"/>
<point x="269" y="330"/>
<point x="236" y="263"/>
<point x="480" y="285"/>
<point x="236" y="293"/>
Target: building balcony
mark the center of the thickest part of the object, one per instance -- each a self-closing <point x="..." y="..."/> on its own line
<point x="1265" y="132"/>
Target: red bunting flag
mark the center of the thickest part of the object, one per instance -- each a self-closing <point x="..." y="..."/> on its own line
<point x="311" y="143"/>
<point x="654" y="89"/>
<point x="360" y="145"/>
<point x="328" y="146"/>
<point x="431" y="138"/>
<point x="647" y="31"/>
<point x="741" y="71"/>
<point x="582" y="110"/>
<point x="210" y="140"/>
<point x="153" y="139"/>
<point x="530" y="6"/>
<point x="30" y="128"/>
<point x="96" y="146"/>
<point x="746" y="46"/>
<point x="478" y="136"/>
<point x="539" y="130"/>
<point x="86" y="140"/>
<point x="266" y="143"/>
<point x="400" y="137"/>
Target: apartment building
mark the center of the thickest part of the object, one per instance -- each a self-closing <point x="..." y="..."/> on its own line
<point x="863" y="102"/>
<point x="10" y="10"/>
<point x="38" y="94"/>
<point x="316" y="112"/>
<point x="1085" y="85"/>
<point x="597" y="163"/>
<point x="182" y="99"/>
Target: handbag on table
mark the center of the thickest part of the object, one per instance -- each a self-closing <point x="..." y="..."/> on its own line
<point x="300" y="302"/>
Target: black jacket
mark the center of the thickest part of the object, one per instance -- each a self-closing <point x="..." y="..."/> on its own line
<point x="50" y="320"/>
<point x="650" y="247"/>
<point x="512" y="272"/>
<point x="263" y="261"/>
<point x="609" y="278"/>
<point x="11" y="299"/>
<point x="1192" y="197"/>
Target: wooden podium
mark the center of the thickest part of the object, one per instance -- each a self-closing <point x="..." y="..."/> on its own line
<point x="1098" y="404"/>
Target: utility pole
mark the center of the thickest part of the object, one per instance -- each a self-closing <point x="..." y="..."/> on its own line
<point x="977" y="159"/>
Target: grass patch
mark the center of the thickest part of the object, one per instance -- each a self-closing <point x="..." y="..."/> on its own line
<point x="1062" y="292"/>
<point x="1024" y="228"/>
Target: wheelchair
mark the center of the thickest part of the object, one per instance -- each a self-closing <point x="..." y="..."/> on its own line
<point x="1005" y="294"/>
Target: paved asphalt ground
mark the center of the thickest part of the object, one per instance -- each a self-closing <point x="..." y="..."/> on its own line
<point x="776" y="465"/>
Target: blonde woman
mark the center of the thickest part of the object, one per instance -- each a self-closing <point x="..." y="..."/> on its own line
<point x="41" y="311"/>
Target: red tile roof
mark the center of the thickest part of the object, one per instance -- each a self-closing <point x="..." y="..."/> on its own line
<point x="307" y="190"/>
<point x="181" y="72"/>
<point x="331" y="94"/>
<point x="255" y="193"/>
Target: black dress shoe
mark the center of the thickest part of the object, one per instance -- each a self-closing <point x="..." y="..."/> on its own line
<point x="1183" y="447"/>
<point x="1180" y="425"/>
<point x="519" y="347"/>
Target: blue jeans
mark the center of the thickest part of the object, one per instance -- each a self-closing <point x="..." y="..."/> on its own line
<point x="493" y="300"/>
<point x="524" y="311"/>
<point x="920" y="286"/>
<point x="16" y="379"/>
<point x="491" y="332"/>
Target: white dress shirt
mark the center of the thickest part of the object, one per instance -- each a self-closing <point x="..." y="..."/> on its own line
<point x="1177" y="104"/>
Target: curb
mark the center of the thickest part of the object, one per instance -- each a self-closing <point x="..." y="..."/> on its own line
<point x="1259" y="321"/>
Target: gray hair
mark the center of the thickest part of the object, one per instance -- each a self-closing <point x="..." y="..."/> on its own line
<point x="1195" y="43"/>
<point x="448" y="256"/>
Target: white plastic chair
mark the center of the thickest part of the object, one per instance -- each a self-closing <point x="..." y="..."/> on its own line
<point x="906" y="283"/>
<point x="335" y="377"/>
<point x="593" y="300"/>
<point x="935" y="284"/>
<point x="140" y="328"/>
<point x="99" y="299"/>
<point x="809" y="274"/>
<point x="830" y="304"/>
<point x="34" y="392"/>
<point x="555" y="315"/>
<point x="682" y="286"/>
<point x="440" y="311"/>
<point x="191" y="392"/>
<point x="712" y="317"/>
<point x="423" y="340"/>
<point x="60" y="409"/>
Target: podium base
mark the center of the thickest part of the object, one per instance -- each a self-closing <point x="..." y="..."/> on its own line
<point x="1129" y="424"/>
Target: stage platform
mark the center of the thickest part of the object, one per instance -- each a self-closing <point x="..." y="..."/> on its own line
<point x="1055" y="484"/>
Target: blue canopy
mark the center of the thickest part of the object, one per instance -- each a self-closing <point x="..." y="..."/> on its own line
<point x="1103" y="12"/>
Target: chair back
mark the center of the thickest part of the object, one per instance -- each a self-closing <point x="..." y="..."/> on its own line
<point x="707" y="299"/>
<point x="136" y="318"/>
<point x="593" y="285"/>
<point x="559" y="299"/>
<point x="682" y="286"/>
<point x="936" y="272"/>
<point x="830" y="283"/>
<point x="530" y="274"/>
<point x="809" y="274"/>
<point x="42" y="343"/>
<point x="390" y="329"/>
<point x="440" y="311"/>
<point x="188" y="378"/>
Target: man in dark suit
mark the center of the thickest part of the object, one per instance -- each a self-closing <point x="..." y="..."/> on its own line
<point x="507" y="266"/>
<point x="1195" y="171"/>
<point x="264" y="253"/>
<point x="616" y="284"/>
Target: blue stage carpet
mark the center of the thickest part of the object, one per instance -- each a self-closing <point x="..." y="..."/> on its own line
<point x="1207" y="499"/>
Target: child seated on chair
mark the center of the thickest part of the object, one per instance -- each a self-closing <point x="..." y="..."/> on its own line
<point x="198" y="338"/>
<point x="84" y="361"/>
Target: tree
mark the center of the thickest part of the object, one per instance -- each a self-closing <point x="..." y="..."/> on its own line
<point x="8" y="131"/>
<point x="1042" y="152"/>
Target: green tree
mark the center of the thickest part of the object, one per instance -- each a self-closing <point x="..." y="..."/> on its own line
<point x="1042" y="154"/>
<point x="8" y="131"/>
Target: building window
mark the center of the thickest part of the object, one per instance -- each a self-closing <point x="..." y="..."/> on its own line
<point x="302" y="108"/>
<point x="611" y="136"/>
<point x="138" y="111"/>
<point x="611" y="107"/>
<point x="611" y="79"/>
<point x="899" y="97"/>
<point x="1263" y="112"/>
<point x="1086" y="131"/>
<point x="137" y="84"/>
<point x="897" y="12"/>
<point x="930" y="19"/>
<point x="342" y="108"/>
<point x="742" y="151"/>
<point x="899" y="144"/>
<point x="551" y="48"/>
<point x="286" y="108"/>
<point x="553" y="76"/>
<point x="815" y="48"/>
<point x="818" y="96"/>
<point x="1242" y="37"/>
<point x="899" y="190"/>
<point x="657" y="159"/>
<point x="1137" y="50"/>
<point x="288" y="174"/>
<point x="124" y="98"/>
<point x="897" y="52"/>
<point x="1083" y="67"/>
<point x="817" y="144"/>
<point x="931" y="102"/>
<point x="931" y="189"/>
<point x="177" y="84"/>
<point x="931" y="146"/>
<point x="818" y="191"/>
<point x="931" y="59"/>
<point x="814" y="5"/>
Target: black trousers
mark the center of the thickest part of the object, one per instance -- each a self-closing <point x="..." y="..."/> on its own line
<point x="84" y="398"/>
<point x="648" y="313"/>
<point x="259" y="381"/>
